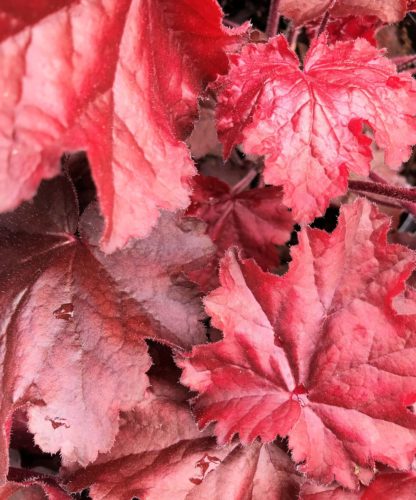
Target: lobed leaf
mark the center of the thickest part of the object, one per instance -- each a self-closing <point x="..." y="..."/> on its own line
<point x="74" y="319"/>
<point x="319" y="355"/>
<point x="119" y="79"/>
<point x="308" y="123"/>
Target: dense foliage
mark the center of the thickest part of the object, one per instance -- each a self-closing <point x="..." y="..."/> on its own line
<point x="207" y="250"/>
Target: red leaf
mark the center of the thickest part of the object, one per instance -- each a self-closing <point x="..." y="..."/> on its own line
<point x="386" y="486"/>
<point x="74" y="319"/>
<point x="119" y="79"/>
<point x="319" y="354"/>
<point x="302" y="11"/>
<point x="348" y="28"/>
<point x="308" y="123"/>
<point x="399" y="485"/>
<point x="254" y="220"/>
<point x="159" y="454"/>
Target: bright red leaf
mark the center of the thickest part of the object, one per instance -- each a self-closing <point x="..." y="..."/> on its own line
<point x="159" y="454"/>
<point x="308" y="123"/>
<point x="254" y="220"/>
<point x="319" y="355"/>
<point x="74" y="319"/>
<point x="302" y="11"/>
<point x="118" y="79"/>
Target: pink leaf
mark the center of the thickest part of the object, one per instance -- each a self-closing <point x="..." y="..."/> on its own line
<point x="118" y="79"/>
<point x="308" y="123"/>
<point x="74" y="319"/>
<point x="318" y="355"/>
<point x="159" y="454"/>
<point x="301" y="11"/>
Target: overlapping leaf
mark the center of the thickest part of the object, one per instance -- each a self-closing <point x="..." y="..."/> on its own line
<point x="308" y="123"/>
<point x="159" y="454"/>
<point x="118" y="79"/>
<point x="319" y="355"/>
<point x="348" y="28"/>
<point x="31" y="490"/>
<point x="386" y="486"/>
<point x="254" y="220"/>
<point x="74" y="319"/>
<point x="302" y="11"/>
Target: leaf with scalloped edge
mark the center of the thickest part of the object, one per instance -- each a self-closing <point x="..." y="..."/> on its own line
<point x="319" y="355"/>
<point x="117" y="78"/>
<point x="74" y="319"/>
<point x="308" y="123"/>
<point x="159" y="454"/>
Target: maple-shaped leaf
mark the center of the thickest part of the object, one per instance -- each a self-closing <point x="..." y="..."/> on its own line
<point x="74" y="319"/>
<point x="118" y="79"/>
<point x="301" y="11"/>
<point x="308" y="123"/>
<point x="159" y="454"/>
<point x="319" y="355"/>
<point x="255" y="220"/>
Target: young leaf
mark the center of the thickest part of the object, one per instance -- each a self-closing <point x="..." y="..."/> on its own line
<point x="254" y="220"/>
<point x="74" y="320"/>
<point x="118" y="79"/>
<point x="308" y="123"/>
<point x="318" y="355"/>
<point x="301" y="11"/>
<point x="159" y="454"/>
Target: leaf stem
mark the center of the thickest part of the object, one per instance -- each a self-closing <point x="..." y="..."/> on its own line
<point x="407" y="205"/>
<point x="405" y="62"/>
<point x="325" y="19"/>
<point x="273" y="18"/>
<point x="292" y="36"/>
<point x="245" y="182"/>
<point x="384" y="189"/>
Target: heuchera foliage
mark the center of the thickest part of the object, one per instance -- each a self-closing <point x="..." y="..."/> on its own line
<point x="319" y="113"/>
<point x="167" y="335"/>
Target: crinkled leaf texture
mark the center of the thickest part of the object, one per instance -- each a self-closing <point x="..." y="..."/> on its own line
<point x="308" y="123"/>
<point x="116" y="78"/>
<point x="254" y="220"/>
<point x="74" y="319"/>
<point x="301" y="11"/>
<point x="159" y="454"/>
<point x="319" y="355"/>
